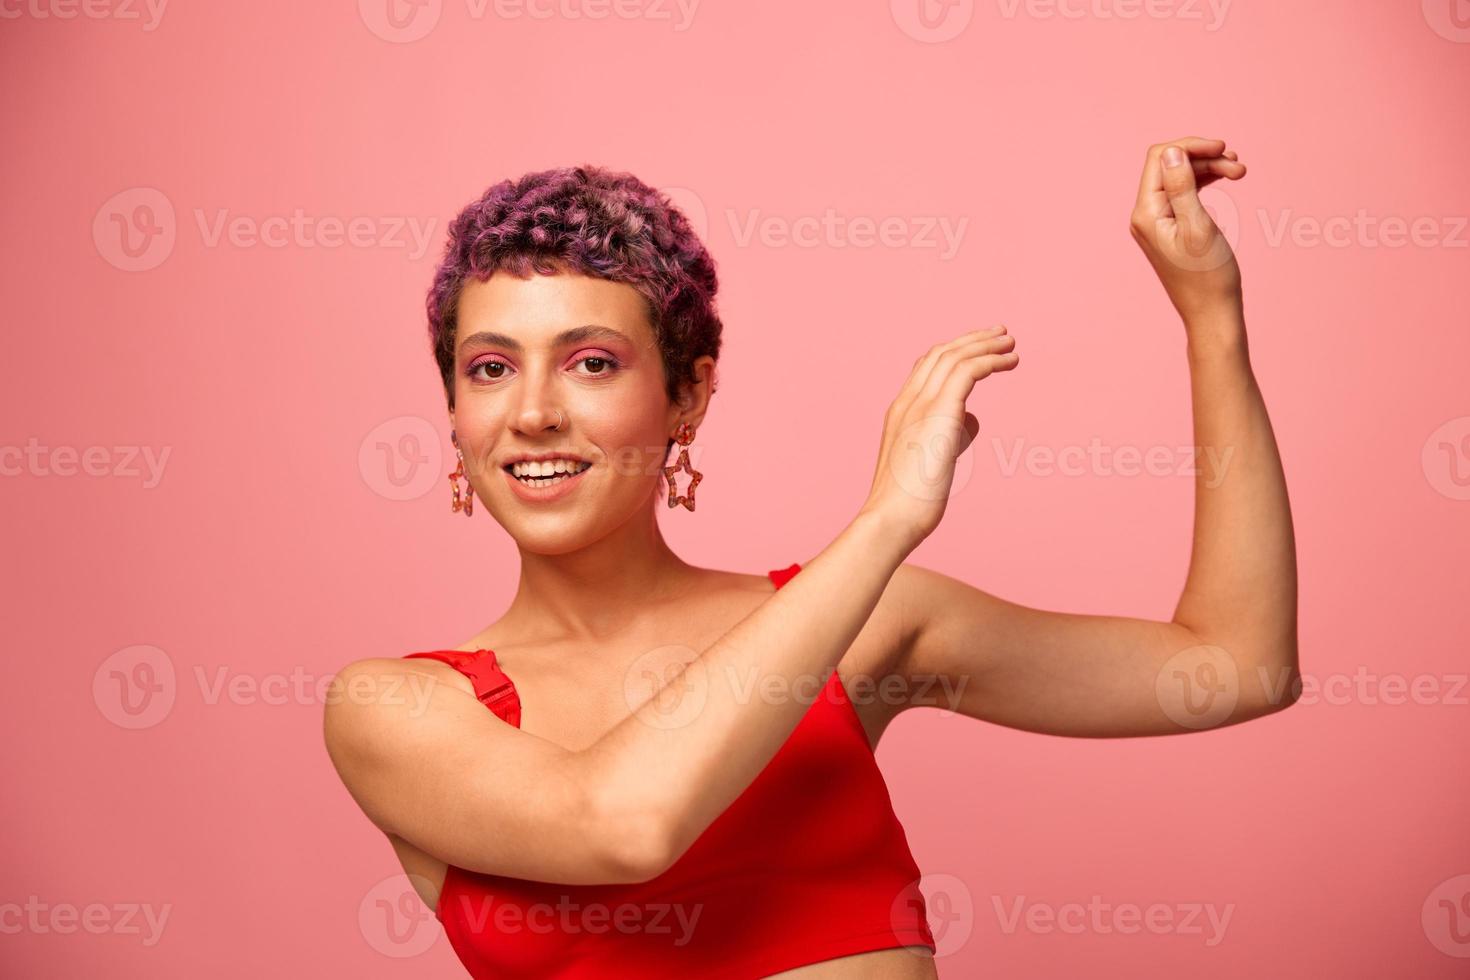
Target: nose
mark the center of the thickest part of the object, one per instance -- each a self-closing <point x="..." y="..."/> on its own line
<point x="536" y="413"/>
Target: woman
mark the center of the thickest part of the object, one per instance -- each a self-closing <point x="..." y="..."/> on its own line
<point x="675" y="773"/>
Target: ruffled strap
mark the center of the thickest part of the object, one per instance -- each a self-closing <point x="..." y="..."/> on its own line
<point x="495" y="690"/>
<point x="783" y="575"/>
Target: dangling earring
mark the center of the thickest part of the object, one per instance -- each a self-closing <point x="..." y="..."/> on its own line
<point x="684" y="435"/>
<point x="467" y="502"/>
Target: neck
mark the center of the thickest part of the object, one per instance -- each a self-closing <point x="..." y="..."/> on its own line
<point x="598" y="590"/>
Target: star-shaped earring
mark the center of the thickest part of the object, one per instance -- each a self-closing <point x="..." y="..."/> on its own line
<point x="684" y="435"/>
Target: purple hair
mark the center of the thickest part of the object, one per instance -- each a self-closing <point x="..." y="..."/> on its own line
<point x="596" y="222"/>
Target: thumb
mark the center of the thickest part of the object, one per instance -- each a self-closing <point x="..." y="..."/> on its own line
<point x="1180" y="187"/>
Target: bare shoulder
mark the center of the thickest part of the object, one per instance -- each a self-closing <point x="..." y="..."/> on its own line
<point x="369" y="672"/>
<point x="366" y="690"/>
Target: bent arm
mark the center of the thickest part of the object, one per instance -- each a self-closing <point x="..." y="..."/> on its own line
<point x="455" y="780"/>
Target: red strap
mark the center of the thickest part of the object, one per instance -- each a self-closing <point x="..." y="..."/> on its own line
<point x="783" y="575"/>
<point x="495" y="690"/>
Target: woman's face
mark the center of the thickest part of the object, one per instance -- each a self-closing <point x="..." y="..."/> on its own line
<point x="528" y="348"/>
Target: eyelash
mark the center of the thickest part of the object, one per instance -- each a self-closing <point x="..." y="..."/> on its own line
<point x="613" y="366"/>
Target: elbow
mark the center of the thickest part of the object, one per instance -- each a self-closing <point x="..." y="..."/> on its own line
<point x="635" y="844"/>
<point x="1277" y="684"/>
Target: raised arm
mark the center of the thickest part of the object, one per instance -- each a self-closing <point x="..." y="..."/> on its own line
<point x="1229" y="653"/>
<point x="454" y="780"/>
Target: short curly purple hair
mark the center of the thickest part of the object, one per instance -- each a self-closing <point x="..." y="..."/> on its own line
<point x="597" y="222"/>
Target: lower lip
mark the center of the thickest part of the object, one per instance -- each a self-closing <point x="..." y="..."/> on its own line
<point x="541" y="495"/>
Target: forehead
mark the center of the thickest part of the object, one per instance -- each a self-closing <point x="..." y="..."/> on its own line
<point x="537" y="307"/>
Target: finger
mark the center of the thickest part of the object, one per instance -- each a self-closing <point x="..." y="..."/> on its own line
<point x="1206" y="172"/>
<point x="1183" y="194"/>
<point x="962" y="380"/>
<point x="950" y="361"/>
<point x="1152" y="198"/>
<point x="924" y="366"/>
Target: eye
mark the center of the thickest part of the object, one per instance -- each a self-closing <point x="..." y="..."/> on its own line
<point x="599" y="365"/>
<point x="474" y="371"/>
<point x="488" y="371"/>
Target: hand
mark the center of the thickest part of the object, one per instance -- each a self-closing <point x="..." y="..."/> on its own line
<point x="927" y="427"/>
<point x="1190" y="255"/>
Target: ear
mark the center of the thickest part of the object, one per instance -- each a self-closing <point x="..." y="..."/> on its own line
<point x="694" y="397"/>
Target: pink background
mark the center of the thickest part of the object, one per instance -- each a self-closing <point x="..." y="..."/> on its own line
<point x="282" y="542"/>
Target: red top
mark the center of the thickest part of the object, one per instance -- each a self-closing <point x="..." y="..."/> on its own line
<point x="807" y="864"/>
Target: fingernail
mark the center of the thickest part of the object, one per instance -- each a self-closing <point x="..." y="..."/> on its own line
<point x="1173" y="156"/>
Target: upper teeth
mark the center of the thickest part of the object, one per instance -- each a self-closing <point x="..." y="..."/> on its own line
<point x="548" y="467"/>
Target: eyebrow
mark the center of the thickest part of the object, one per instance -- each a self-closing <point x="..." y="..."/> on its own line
<point x="576" y="335"/>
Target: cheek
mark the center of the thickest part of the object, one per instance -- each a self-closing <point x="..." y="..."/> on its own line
<point x="626" y="431"/>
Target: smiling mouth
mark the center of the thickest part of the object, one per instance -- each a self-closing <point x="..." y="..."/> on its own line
<point x="543" y="476"/>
